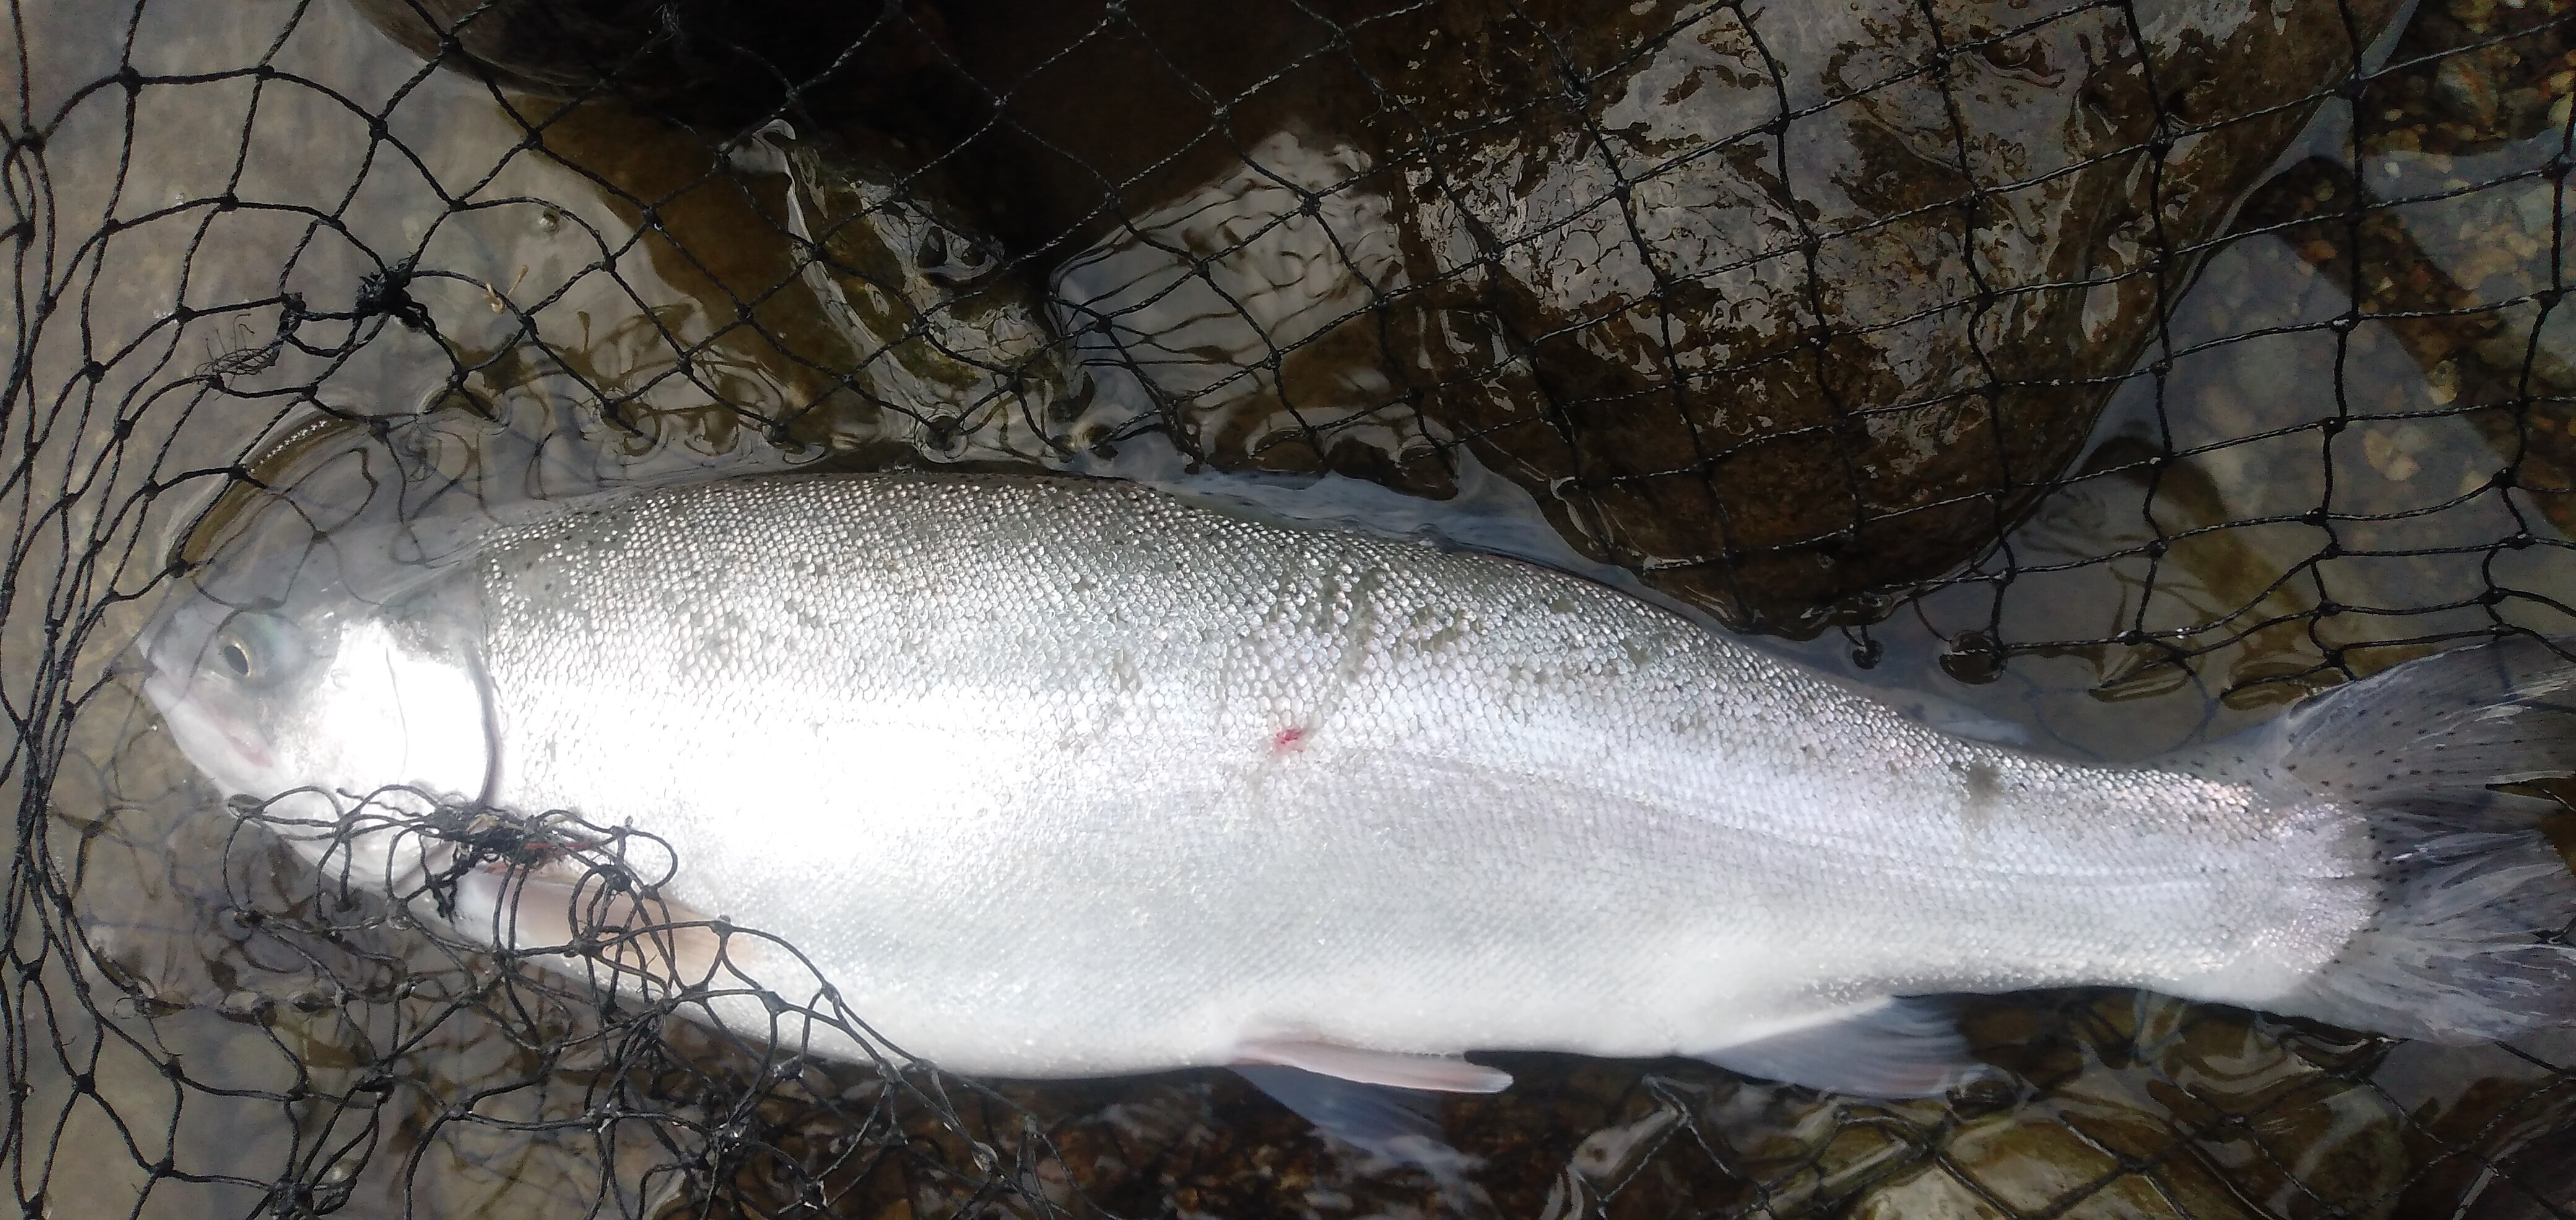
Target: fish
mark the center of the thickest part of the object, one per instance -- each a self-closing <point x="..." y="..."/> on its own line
<point x="1047" y="777"/>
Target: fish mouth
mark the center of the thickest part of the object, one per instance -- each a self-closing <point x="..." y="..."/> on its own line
<point x="220" y="745"/>
<point x="252" y="752"/>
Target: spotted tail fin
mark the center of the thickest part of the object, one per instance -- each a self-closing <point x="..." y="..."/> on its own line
<point x="2470" y="939"/>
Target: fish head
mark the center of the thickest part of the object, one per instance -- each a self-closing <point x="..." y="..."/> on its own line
<point x="336" y="700"/>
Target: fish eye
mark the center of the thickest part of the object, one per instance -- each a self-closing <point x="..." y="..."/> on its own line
<point x="258" y="650"/>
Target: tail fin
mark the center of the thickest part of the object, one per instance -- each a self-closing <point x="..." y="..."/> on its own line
<point x="2471" y="939"/>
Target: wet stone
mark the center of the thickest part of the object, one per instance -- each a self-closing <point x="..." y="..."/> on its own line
<point x="1774" y="361"/>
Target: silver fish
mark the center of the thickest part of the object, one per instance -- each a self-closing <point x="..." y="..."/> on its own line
<point x="1051" y="778"/>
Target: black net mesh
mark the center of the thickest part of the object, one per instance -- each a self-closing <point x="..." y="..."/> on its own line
<point x="2107" y="374"/>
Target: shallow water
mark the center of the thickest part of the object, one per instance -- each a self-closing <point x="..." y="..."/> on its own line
<point x="329" y="1052"/>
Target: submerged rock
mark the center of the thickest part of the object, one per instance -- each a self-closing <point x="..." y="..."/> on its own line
<point x="715" y="58"/>
<point x="810" y="298"/>
<point x="1786" y="308"/>
<point x="2477" y="353"/>
<point x="2472" y="75"/>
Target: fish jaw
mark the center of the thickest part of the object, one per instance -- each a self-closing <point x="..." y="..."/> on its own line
<point x="216" y="731"/>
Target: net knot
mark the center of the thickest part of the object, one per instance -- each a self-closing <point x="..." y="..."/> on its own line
<point x="387" y="293"/>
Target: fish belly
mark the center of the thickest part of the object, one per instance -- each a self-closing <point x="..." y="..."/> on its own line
<point x="1056" y="778"/>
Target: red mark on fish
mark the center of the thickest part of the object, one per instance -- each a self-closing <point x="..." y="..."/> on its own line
<point x="1288" y="741"/>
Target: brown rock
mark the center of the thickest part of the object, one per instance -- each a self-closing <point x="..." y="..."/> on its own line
<point x="1788" y="314"/>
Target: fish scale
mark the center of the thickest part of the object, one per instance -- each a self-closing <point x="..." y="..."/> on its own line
<point x="1027" y="734"/>
<point x="1057" y="777"/>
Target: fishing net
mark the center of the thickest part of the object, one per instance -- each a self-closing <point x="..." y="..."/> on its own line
<point x="2103" y="375"/>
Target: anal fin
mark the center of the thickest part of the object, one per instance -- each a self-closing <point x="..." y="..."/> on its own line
<point x="1901" y="1047"/>
<point x="1429" y="1073"/>
<point x="1394" y="1124"/>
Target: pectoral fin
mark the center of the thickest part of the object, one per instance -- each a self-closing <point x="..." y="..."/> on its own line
<point x="548" y="908"/>
<point x="1430" y="1073"/>
<point x="1896" y="1048"/>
